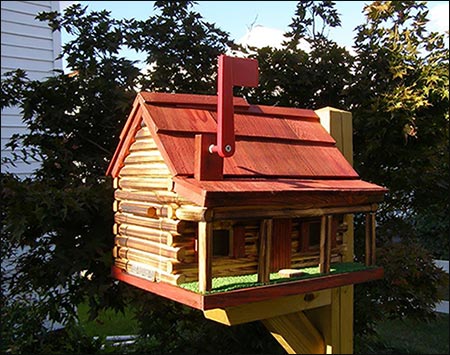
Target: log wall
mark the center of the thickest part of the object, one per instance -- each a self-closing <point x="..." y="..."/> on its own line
<point x="150" y="240"/>
<point x="156" y="229"/>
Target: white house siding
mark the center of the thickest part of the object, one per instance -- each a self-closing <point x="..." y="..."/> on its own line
<point x="443" y="306"/>
<point x="28" y="44"/>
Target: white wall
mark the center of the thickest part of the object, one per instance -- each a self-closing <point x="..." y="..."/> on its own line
<point x="443" y="306"/>
<point x="28" y="44"/>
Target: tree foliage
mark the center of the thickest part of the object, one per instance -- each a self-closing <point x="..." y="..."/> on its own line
<point x="56" y="226"/>
<point x="56" y="222"/>
<point x="400" y="101"/>
<point x="62" y="217"/>
<point x="310" y="71"/>
<point x="312" y="21"/>
<point x="181" y="48"/>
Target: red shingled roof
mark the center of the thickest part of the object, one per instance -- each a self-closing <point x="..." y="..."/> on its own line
<point x="279" y="151"/>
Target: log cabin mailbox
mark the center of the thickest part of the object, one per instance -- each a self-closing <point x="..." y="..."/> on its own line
<point x="242" y="211"/>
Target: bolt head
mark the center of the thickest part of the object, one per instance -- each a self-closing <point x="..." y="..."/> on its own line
<point x="228" y="148"/>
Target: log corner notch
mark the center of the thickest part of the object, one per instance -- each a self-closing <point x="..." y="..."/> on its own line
<point x="232" y="71"/>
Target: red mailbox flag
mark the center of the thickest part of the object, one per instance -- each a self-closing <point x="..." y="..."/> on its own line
<point x="232" y="72"/>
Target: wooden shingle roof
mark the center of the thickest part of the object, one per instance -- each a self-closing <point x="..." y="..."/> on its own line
<point x="281" y="153"/>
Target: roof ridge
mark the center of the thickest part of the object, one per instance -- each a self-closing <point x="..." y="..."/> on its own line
<point x="209" y="102"/>
<point x="183" y="100"/>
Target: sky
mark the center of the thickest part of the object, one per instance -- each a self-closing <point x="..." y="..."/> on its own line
<point x="267" y="19"/>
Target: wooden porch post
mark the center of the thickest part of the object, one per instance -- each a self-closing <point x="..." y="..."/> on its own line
<point x="265" y="245"/>
<point x="326" y="225"/>
<point x="205" y="233"/>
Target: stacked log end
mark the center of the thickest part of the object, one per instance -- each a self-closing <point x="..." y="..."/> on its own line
<point x="150" y="240"/>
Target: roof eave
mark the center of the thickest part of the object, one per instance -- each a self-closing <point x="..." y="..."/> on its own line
<point x="192" y="191"/>
<point x="125" y="139"/>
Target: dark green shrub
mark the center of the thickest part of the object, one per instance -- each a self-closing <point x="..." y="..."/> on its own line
<point x="409" y="289"/>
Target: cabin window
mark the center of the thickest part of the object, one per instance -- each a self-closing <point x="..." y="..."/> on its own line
<point x="221" y="242"/>
<point x="314" y="235"/>
<point x="309" y="235"/>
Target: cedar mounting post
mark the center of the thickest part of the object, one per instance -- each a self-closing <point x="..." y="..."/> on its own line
<point x="232" y="72"/>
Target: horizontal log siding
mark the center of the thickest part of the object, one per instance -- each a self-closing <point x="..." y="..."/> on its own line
<point x="150" y="240"/>
<point x="310" y="258"/>
<point x="147" y="272"/>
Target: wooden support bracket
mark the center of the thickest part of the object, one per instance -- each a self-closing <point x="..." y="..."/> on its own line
<point x="254" y="311"/>
<point x="296" y="334"/>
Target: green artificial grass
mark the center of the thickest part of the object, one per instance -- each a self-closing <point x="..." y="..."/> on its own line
<point x="229" y="283"/>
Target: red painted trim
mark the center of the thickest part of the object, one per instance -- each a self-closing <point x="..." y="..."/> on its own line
<point x="288" y="112"/>
<point x="147" y="118"/>
<point x="262" y="293"/>
<point x="174" y="293"/>
<point x="124" y="148"/>
<point x="207" y="166"/>
<point x="247" y="295"/>
<point x="273" y="191"/>
<point x="124" y="141"/>
<point x="188" y="99"/>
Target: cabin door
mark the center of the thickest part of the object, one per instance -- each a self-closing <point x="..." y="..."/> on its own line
<point x="281" y="250"/>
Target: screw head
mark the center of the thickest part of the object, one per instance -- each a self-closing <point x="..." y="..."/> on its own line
<point x="228" y="148"/>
